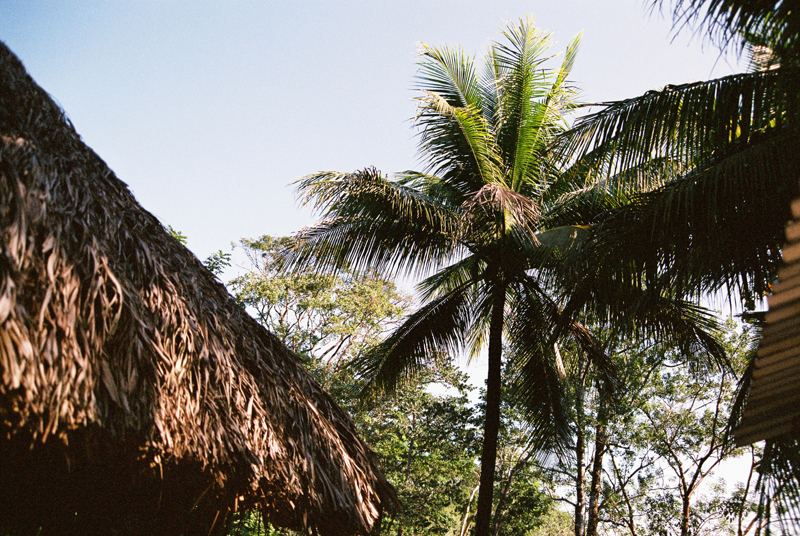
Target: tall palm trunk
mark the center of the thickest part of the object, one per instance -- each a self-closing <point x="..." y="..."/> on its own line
<point x="600" y="446"/>
<point x="491" y="427"/>
<point x="580" y="456"/>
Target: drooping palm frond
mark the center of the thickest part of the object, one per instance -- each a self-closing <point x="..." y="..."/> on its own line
<point x="448" y="279"/>
<point x="778" y="486"/>
<point x="371" y="222"/>
<point x="584" y="194"/>
<point x="537" y="385"/>
<point x="496" y="211"/>
<point x="653" y="313"/>
<point x="686" y="122"/>
<point x="721" y="227"/>
<point x="728" y="21"/>
<point x="440" y="326"/>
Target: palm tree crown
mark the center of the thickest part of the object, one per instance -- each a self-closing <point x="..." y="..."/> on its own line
<point x="489" y="221"/>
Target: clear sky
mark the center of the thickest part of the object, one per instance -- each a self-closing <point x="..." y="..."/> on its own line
<point x="209" y="110"/>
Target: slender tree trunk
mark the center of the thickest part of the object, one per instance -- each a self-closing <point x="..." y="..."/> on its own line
<point x="685" y="516"/>
<point x="491" y="426"/>
<point x="601" y="438"/>
<point x="411" y="446"/>
<point x="504" y="494"/>
<point x="580" y="456"/>
<point x="465" y="523"/>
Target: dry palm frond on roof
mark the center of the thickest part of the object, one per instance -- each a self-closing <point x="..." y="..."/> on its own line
<point x="135" y="393"/>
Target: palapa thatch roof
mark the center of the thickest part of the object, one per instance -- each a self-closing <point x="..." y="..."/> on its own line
<point x="136" y="396"/>
<point x="772" y="407"/>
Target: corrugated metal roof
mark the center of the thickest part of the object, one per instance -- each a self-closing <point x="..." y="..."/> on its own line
<point x="773" y="403"/>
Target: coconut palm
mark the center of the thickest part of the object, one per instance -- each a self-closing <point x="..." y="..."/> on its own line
<point x="719" y="224"/>
<point x="492" y="218"/>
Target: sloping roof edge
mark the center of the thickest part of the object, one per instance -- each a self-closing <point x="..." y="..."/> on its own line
<point x="120" y="353"/>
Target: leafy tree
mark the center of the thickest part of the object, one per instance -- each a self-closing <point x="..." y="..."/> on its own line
<point x="179" y="236"/>
<point x="427" y="446"/>
<point x="426" y="434"/>
<point x="522" y="505"/>
<point x="485" y="138"/>
<point x="325" y="318"/>
<point x="217" y="262"/>
<point x="657" y="441"/>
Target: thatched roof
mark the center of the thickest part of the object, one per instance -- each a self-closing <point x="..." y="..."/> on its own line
<point x="136" y="396"/>
<point x="772" y="407"/>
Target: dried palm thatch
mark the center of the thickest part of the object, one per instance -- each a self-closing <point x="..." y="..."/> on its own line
<point x="136" y="396"/>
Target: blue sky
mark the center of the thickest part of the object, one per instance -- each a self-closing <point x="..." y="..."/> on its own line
<point x="209" y="110"/>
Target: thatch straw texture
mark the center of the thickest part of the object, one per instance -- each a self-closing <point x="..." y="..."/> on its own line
<point x="136" y="396"/>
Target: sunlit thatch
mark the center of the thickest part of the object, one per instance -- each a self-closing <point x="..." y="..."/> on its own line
<point x="136" y="396"/>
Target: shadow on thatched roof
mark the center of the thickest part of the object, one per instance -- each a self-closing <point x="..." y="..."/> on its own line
<point x="136" y="396"/>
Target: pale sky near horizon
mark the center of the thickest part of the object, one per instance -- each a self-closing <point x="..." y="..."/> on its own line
<point x="209" y="110"/>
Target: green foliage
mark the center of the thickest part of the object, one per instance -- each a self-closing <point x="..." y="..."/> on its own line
<point x="427" y="434"/>
<point x="252" y="524"/>
<point x="665" y="435"/>
<point x="179" y="236"/>
<point x="217" y="262"/>
<point x="496" y="220"/>
<point x="554" y="523"/>
<point x="325" y="318"/>
<point x="428" y="446"/>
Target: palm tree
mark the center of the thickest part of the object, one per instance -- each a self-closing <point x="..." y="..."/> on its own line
<point x="718" y="225"/>
<point x="489" y="221"/>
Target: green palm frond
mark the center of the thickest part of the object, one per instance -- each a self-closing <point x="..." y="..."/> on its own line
<point x="556" y="245"/>
<point x="721" y="227"/>
<point x="650" y="314"/>
<point x="686" y="122"/>
<point x="371" y="222"/>
<point x="584" y="195"/>
<point x="729" y="21"/>
<point x="450" y="73"/>
<point x="778" y="486"/>
<point x="537" y="385"/>
<point x="522" y="86"/>
<point x="454" y="135"/>
<point x="440" y="326"/>
<point x="456" y="143"/>
<point x="437" y="189"/>
<point x="448" y="279"/>
<point x="566" y="67"/>
<point x="549" y="116"/>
